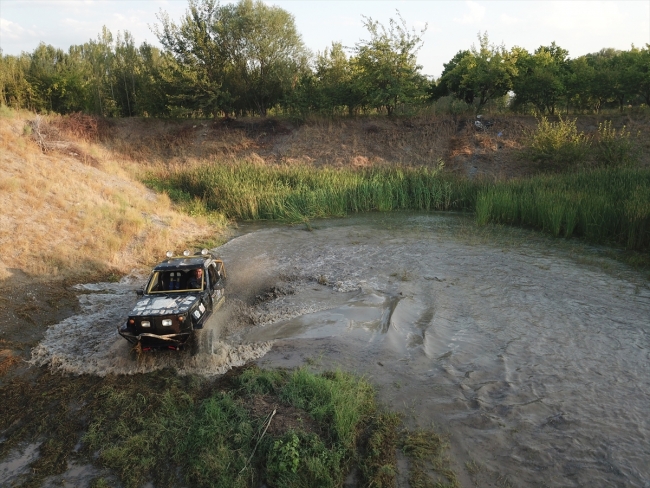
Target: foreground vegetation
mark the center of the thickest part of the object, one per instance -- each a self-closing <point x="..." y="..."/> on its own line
<point x="281" y="428"/>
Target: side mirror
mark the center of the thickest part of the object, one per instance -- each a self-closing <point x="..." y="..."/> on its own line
<point x="139" y="292"/>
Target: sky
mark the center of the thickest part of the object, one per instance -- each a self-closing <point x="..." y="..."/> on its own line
<point x="581" y="27"/>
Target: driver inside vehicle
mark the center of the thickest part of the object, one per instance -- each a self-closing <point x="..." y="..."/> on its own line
<point x="196" y="281"/>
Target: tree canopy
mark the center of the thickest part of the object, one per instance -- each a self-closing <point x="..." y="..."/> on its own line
<point x="248" y="58"/>
<point x="387" y="64"/>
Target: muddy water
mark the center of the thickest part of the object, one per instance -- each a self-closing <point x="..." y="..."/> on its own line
<point x="534" y="354"/>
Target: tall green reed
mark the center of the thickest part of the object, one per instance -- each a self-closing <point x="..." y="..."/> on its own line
<point x="603" y="205"/>
<point x="296" y="193"/>
<point x="607" y="205"/>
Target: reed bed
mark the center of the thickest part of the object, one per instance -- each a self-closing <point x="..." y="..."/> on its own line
<point x="299" y="193"/>
<point x="605" y="205"/>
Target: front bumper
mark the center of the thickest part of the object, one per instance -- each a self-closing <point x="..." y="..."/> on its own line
<point x="155" y="340"/>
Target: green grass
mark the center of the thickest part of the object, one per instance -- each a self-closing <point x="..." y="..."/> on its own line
<point x="425" y="450"/>
<point x="608" y="205"/>
<point x="300" y="193"/>
<point x="202" y="436"/>
<point x="605" y="205"/>
<point x="172" y="430"/>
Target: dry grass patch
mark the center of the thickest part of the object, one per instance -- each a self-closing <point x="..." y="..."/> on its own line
<point x="59" y="214"/>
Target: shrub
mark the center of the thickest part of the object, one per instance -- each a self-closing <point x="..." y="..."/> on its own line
<point x="558" y="142"/>
<point x="615" y="148"/>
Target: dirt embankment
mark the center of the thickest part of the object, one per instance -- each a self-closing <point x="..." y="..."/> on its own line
<point x="425" y="140"/>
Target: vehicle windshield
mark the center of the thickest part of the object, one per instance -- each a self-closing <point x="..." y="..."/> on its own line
<point x="176" y="281"/>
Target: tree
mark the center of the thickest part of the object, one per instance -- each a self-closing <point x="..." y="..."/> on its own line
<point x="236" y="57"/>
<point x="604" y="79"/>
<point x="541" y="78"/>
<point x="200" y="59"/>
<point x="151" y="83"/>
<point x="15" y="89"/>
<point x="265" y="52"/>
<point x="484" y="74"/>
<point x="388" y="71"/>
<point x="450" y="82"/>
<point x="337" y="77"/>
<point x="579" y="84"/>
<point x="636" y="63"/>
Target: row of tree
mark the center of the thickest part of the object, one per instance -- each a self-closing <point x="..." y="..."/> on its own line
<point x="248" y="58"/>
<point x="547" y="79"/>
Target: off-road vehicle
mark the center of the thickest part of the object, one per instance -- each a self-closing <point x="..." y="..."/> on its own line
<point x="180" y="295"/>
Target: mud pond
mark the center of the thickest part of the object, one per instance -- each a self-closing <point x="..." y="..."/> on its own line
<point x="533" y="354"/>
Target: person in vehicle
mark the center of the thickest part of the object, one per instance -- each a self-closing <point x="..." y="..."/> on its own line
<point x="196" y="281"/>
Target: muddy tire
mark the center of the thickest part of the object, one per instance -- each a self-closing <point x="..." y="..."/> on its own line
<point x="194" y="343"/>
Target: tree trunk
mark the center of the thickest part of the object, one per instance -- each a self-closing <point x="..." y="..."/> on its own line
<point x="126" y="91"/>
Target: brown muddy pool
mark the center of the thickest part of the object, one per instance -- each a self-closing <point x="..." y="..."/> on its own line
<point x="532" y="353"/>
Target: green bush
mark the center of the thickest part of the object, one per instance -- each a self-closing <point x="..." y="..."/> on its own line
<point x="615" y="148"/>
<point x="558" y="143"/>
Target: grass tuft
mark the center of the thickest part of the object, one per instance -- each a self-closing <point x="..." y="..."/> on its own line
<point x="425" y="450"/>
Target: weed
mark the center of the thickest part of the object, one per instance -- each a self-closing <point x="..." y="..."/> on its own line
<point x="6" y="112"/>
<point x="101" y="483"/>
<point x="606" y="205"/>
<point x="425" y="450"/>
<point x="472" y="467"/>
<point x="558" y="143"/>
<point x="297" y="194"/>
<point x="615" y="148"/>
<point x="378" y="463"/>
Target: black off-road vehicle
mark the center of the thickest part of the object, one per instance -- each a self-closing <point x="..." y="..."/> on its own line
<point x="181" y="294"/>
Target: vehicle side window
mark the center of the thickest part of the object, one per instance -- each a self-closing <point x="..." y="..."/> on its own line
<point x="212" y="272"/>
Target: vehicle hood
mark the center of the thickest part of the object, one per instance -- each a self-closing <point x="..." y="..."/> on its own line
<point x="164" y="305"/>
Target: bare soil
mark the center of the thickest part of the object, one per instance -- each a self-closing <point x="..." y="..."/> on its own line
<point x="359" y="142"/>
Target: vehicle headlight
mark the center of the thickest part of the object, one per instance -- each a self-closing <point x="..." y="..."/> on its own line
<point x="145" y="323"/>
<point x="167" y="322"/>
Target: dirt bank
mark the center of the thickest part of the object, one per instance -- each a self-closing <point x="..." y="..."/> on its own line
<point x="422" y="140"/>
